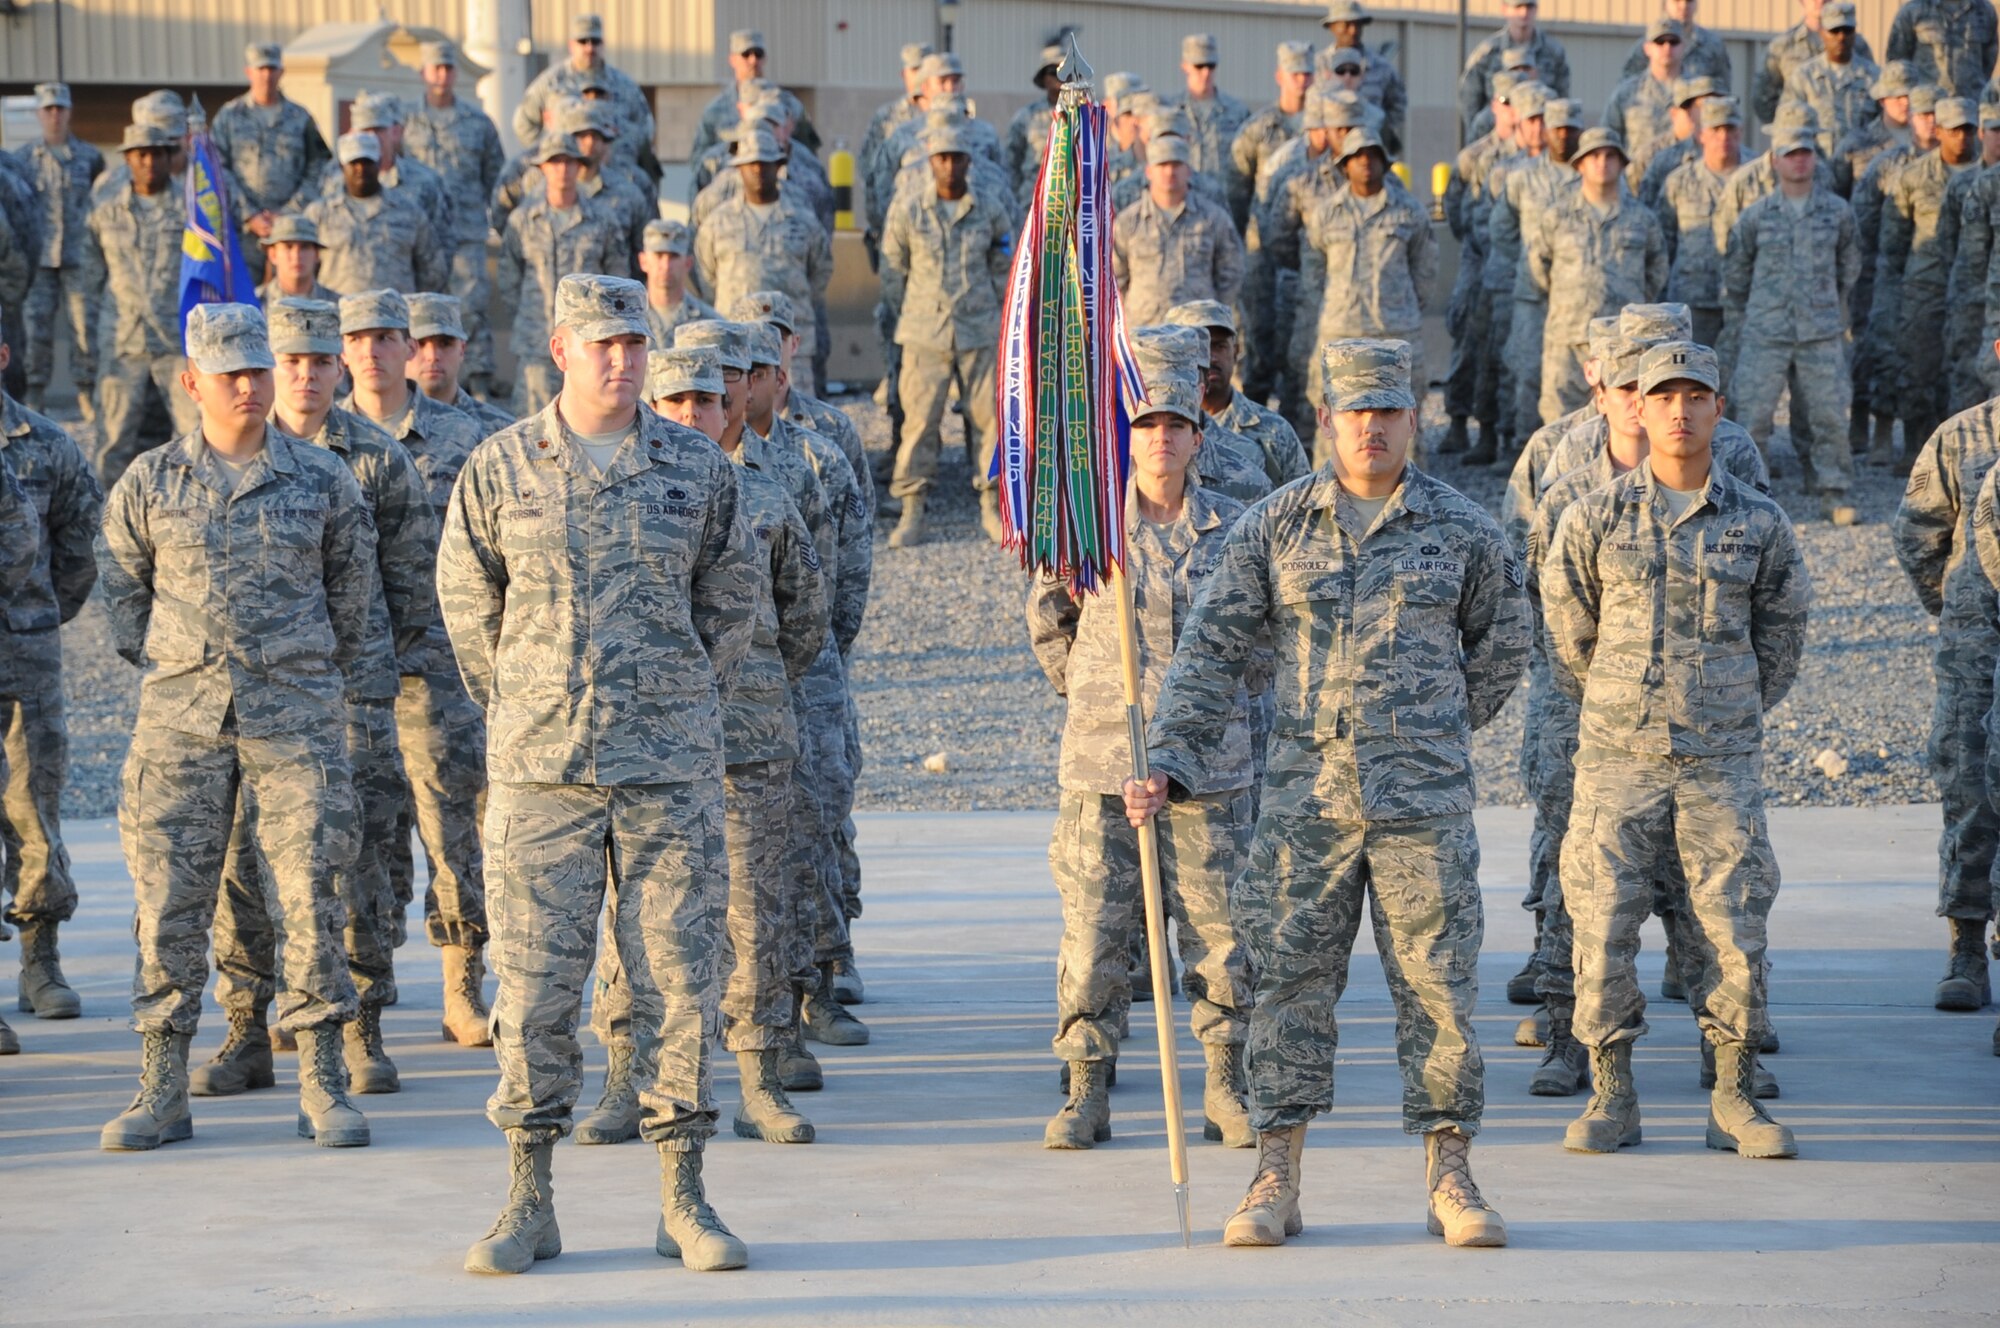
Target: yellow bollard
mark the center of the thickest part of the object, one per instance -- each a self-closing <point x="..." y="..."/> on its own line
<point x="840" y="174"/>
<point x="1440" y="182"/>
<point x="1402" y="172"/>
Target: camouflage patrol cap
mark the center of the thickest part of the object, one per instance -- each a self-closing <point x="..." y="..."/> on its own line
<point x="949" y="140"/>
<point x="1529" y="100"/>
<point x="1793" y="115"/>
<point x="585" y="26"/>
<point x="553" y="145"/>
<point x="1599" y="334"/>
<point x="667" y="237"/>
<point x="719" y="335"/>
<point x="759" y="144"/>
<point x="1676" y="360"/>
<point x="1200" y="48"/>
<point x="145" y="137"/>
<point x="1365" y="374"/>
<point x="1924" y="99"/>
<point x="598" y="308"/>
<point x="263" y="55"/>
<point x="592" y="80"/>
<point x="1837" y="14"/>
<point x="163" y="109"/>
<point x="1599" y="139"/>
<point x="1171" y="363"/>
<point x="438" y="53"/>
<point x="760" y="343"/>
<point x="1663" y="28"/>
<point x="1956" y="113"/>
<point x="914" y="53"/>
<point x="435" y="315"/>
<point x="1168" y="120"/>
<point x="945" y="110"/>
<point x="1784" y="142"/>
<point x="1141" y="103"/>
<point x="1718" y="112"/>
<point x="1346" y="11"/>
<point x="51" y="94"/>
<point x="1359" y="141"/>
<point x="1655" y="323"/>
<point x="1897" y="79"/>
<point x="1211" y="314"/>
<point x="300" y="326"/>
<point x="1517" y="57"/>
<point x="1618" y="362"/>
<point x="376" y="110"/>
<point x="1166" y="149"/>
<point x="766" y="306"/>
<point x="765" y="115"/>
<point x="1049" y="62"/>
<point x="373" y="310"/>
<point x="1504" y="83"/>
<point x="1693" y="89"/>
<point x="1333" y="57"/>
<point x="943" y="64"/>
<point x="359" y="145"/>
<point x="1313" y="114"/>
<point x="1295" y="57"/>
<point x="228" y="338"/>
<point x="1342" y="109"/>
<point x="292" y="228"/>
<point x="1562" y="113"/>
<point x="1121" y="84"/>
<point x="1989" y="115"/>
<point x="682" y="369"/>
<point x="745" y="40"/>
<point x="595" y="117"/>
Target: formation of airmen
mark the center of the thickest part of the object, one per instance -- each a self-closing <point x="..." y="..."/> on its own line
<point x="596" y="658"/>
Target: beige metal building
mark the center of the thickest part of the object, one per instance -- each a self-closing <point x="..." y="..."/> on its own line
<point x="840" y="55"/>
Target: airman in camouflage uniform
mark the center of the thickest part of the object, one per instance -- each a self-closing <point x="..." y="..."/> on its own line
<point x="1934" y="533"/>
<point x="945" y="257"/>
<point x="439" y="334"/>
<point x="62" y="167"/>
<point x="1596" y="251"/>
<point x="1704" y="54"/>
<point x="1215" y="115"/>
<point x="269" y="144"/>
<point x="1792" y="262"/>
<point x="1912" y="261"/>
<point x="48" y="473"/>
<point x="1175" y="531"/>
<point x="1028" y="131"/>
<point x="1787" y="51"/>
<point x="375" y="238"/>
<point x="1472" y="384"/>
<point x="1969" y="975"/>
<point x="457" y="140"/>
<point x="1173" y="245"/>
<point x="1965" y="237"/>
<point x="1227" y="408"/>
<point x="548" y="238"/>
<point x="292" y="255"/>
<point x="1524" y="35"/>
<point x="1378" y="255"/>
<point x="135" y="246"/>
<point x="307" y="334"/>
<point x="1690" y="95"/>
<point x="1525" y="188"/>
<point x="246" y="660"/>
<point x="745" y="245"/>
<point x="666" y="257"/>
<point x="647" y="550"/>
<point x="1686" y="210"/>
<point x="1889" y="125"/>
<point x="1676" y="604"/>
<point x="1259" y="310"/>
<point x="1877" y="366"/>
<point x="1952" y="43"/>
<point x="20" y="550"/>
<point x="439" y="730"/>
<point x="402" y="176"/>
<point x="746" y="62"/>
<point x="1641" y="107"/>
<point x="1838" y="84"/>
<point x="587" y="66"/>
<point x="890" y="116"/>
<point x="1381" y="84"/>
<point x="1368" y="786"/>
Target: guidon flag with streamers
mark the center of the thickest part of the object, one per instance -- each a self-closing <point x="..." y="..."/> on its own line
<point x="212" y="266"/>
<point x="1064" y="425"/>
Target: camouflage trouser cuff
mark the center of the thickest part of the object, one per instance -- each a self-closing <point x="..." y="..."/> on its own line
<point x="443" y="931"/>
<point x="685" y="1136"/>
<point x="1281" y="1118"/>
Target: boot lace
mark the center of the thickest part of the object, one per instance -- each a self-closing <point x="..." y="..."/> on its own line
<point x="1274" y="1169"/>
<point x="1451" y="1180"/>
<point x="157" y="1072"/>
<point x="690" y="1199"/>
<point x="239" y="1041"/>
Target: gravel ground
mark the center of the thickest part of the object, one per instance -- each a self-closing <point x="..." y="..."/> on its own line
<point x="943" y="667"/>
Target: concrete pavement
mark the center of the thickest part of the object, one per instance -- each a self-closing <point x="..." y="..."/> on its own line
<point x="929" y="1200"/>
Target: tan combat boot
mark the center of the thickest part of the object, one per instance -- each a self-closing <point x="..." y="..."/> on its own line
<point x="242" y="1062"/>
<point x="1967" y="983"/>
<point x="1533" y="1030"/>
<point x="1836" y="510"/>
<point x="909" y="529"/>
<point x="848" y="988"/>
<point x="1457" y="1211"/>
<point x="798" y="1068"/>
<point x="1735" y="1122"/>
<point x="1565" y="1067"/>
<point x="1765" y="1083"/>
<point x="766" y="1112"/>
<point x="1611" y="1121"/>
<point x="43" y="990"/>
<point x="526" y="1228"/>
<point x="325" y="1114"/>
<point x="369" y="1069"/>
<point x="1227" y="1120"/>
<point x="824" y="1019"/>
<point x="159" y="1114"/>
<point x="1085" y="1120"/>
<point x="689" y="1229"/>
<point x="1270" y="1209"/>
<point x="616" y="1117"/>
<point x="466" y="1018"/>
<point x="989" y="515"/>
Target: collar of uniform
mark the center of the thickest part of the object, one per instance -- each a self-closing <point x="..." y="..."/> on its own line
<point x="753" y="449"/>
<point x="338" y="430"/>
<point x="1198" y="512"/>
<point x="1412" y="495"/>
<point x="192" y="453"/>
<point x="1644" y="487"/>
<point x="956" y="208"/>
<point x="13" y="419"/>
